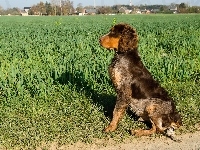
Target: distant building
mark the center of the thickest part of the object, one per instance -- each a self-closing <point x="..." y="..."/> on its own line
<point x="155" y="11"/>
<point x="174" y="9"/>
<point x="91" y="11"/>
<point x="25" y="11"/>
<point x="137" y="11"/>
<point x="145" y="11"/>
<point x="124" y="10"/>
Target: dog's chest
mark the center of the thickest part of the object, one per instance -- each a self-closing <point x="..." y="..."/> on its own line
<point x="118" y="71"/>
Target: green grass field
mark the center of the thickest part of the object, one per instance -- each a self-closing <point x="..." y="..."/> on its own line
<point x="54" y="83"/>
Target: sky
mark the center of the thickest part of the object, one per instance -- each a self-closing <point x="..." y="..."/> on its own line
<point x="27" y="3"/>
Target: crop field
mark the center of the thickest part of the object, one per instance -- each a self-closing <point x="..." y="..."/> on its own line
<point x="54" y="83"/>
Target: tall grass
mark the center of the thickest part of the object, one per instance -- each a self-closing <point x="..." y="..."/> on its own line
<point x="54" y="84"/>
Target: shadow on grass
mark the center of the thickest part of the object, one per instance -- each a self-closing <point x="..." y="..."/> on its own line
<point x="81" y="85"/>
<point x="104" y="100"/>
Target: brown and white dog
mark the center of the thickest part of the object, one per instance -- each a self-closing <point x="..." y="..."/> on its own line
<point x="135" y="85"/>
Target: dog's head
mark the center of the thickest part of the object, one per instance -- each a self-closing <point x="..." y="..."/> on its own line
<point x="122" y="38"/>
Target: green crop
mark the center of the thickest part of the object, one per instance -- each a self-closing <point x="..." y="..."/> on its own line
<point x="54" y="82"/>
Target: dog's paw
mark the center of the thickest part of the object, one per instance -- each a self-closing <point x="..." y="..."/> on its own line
<point x="171" y="134"/>
<point x="136" y="132"/>
<point x="110" y="128"/>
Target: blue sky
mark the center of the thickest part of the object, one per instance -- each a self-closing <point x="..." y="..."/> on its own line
<point x="22" y="3"/>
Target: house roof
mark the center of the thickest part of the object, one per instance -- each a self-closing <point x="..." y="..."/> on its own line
<point x="173" y="8"/>
<point x="124" y="8"/>
<point x="27" y="7"/>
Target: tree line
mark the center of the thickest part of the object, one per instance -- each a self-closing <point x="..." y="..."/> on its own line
<point x="65" y="7"/>
<point x="56" y="7"/>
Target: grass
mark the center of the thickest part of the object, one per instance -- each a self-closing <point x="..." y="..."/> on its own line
<point x="54" y="83"/>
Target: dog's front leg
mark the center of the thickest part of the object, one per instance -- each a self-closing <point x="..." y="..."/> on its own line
<point x="118" y="113"/>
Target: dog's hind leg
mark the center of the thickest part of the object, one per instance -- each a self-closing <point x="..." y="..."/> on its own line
<point x="142" y="132"/>
<point x="155" y="120"/>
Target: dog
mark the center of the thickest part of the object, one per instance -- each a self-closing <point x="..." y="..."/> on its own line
<point x="134" y="84"/>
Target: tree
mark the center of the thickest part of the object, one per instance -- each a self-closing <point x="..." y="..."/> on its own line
<point x="182" y="5"/>
<point x="62" y="7"/>
<point x="42" y="8"/>
<point x="49" y="9"/>
<point x="162" y="8"/>
<point x="33" y="10"/>
<point x="79" y="7"/>
<point x="182" y="8"/>
<point x="38" y="9"/>
<point x="1" y="10"/>
<point x="54" y="4"/>
<point x="115" y="8"/>
<point x="11" y="11"/>
<point x="67" y="7"/>
<point x="105" y="10"/>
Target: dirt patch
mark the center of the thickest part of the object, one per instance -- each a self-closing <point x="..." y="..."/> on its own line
<point x="190" y="141"/>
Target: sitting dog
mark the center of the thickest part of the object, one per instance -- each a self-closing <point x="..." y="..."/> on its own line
<point x="134" y="84"/>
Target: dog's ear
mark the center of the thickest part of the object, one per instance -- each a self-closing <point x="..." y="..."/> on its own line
<point x="128" y="40"/>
